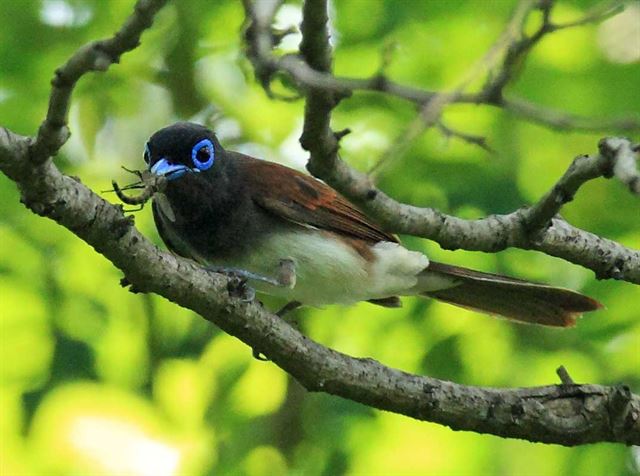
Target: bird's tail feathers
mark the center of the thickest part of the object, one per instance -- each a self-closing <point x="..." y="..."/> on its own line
<point x="514" y="299"/>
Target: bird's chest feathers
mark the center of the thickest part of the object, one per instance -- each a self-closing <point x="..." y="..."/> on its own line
<point x="330" y="271"/>
<point x="327" y="270"/>
<point x="202" y="219"/>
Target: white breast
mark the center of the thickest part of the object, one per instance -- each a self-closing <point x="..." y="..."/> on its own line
<point x="329" y="271"/>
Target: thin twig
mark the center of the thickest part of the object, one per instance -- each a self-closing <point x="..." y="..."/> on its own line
<point x="479" y="141"/>
<point x="95" y="56"/>
<point x="431" y="111"/>
<point x="565" y="378"/>
<point x="560" y="120"/>
<point x="518" y="48"/>
<point x="258" y="34"/>
<point x="596" y="14"/>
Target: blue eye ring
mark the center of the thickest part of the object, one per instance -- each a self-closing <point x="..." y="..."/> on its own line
<point x="147" y="153"/>
<point x="199" y="152"/>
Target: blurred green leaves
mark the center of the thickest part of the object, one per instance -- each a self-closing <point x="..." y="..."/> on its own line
<point x="96" y="380"/>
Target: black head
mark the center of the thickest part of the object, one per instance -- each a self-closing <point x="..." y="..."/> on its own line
<point x="205" y="206"/>
<point x="180" y="149"/>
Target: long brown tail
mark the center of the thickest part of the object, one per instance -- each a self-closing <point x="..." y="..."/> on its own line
<point x="515" y="299"/>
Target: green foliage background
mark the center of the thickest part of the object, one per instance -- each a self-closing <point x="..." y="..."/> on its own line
<point x="96" y="380"/>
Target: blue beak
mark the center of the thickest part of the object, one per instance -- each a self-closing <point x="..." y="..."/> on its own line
<point x="172" y="171"/>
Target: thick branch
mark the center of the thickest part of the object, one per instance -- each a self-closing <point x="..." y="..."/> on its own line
<point x="95" y="56"/>
<point x="562" y="414"/>
<point x="316" y="51"/>
<point x="606" y="258"/>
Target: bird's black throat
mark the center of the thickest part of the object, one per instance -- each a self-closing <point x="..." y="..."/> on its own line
<point x="215" y="215"/>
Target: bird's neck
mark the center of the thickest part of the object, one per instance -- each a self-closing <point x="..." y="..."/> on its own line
<point x="197" y="197"/>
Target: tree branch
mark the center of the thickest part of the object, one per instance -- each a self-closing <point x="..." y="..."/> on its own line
<point x="316" y="52"/>
<point x="614" y="155"/>
<point x="567" y="414"/>
<point x="259" y="36"/>
<point x="560" y="120"/>
<point x="526" y="228"/>
<point x="562" y="414"/>
<point x="95" y="56"/>
<point x="472" y="139"/>
<point x="606" y="258"/>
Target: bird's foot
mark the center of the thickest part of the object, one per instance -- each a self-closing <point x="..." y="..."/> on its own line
<point x="238" y="287"/>
<point x="286" y="274"/>
<point x="242" y="274"/>
<point x="238" y="281"/>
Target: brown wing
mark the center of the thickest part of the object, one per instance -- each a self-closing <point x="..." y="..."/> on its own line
<point x="302" y="199"/>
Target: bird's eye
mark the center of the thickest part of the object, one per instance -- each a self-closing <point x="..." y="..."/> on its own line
<point x="147" y="153"/>
<point x="202" y="154"/>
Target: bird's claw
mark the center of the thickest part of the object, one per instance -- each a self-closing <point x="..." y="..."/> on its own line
<point x="241" y="273"/>
<point x="286" y="274"/>
<point x="238" y="287"/>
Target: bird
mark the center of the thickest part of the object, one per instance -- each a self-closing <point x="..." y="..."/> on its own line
<point x="288" y="234"/>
